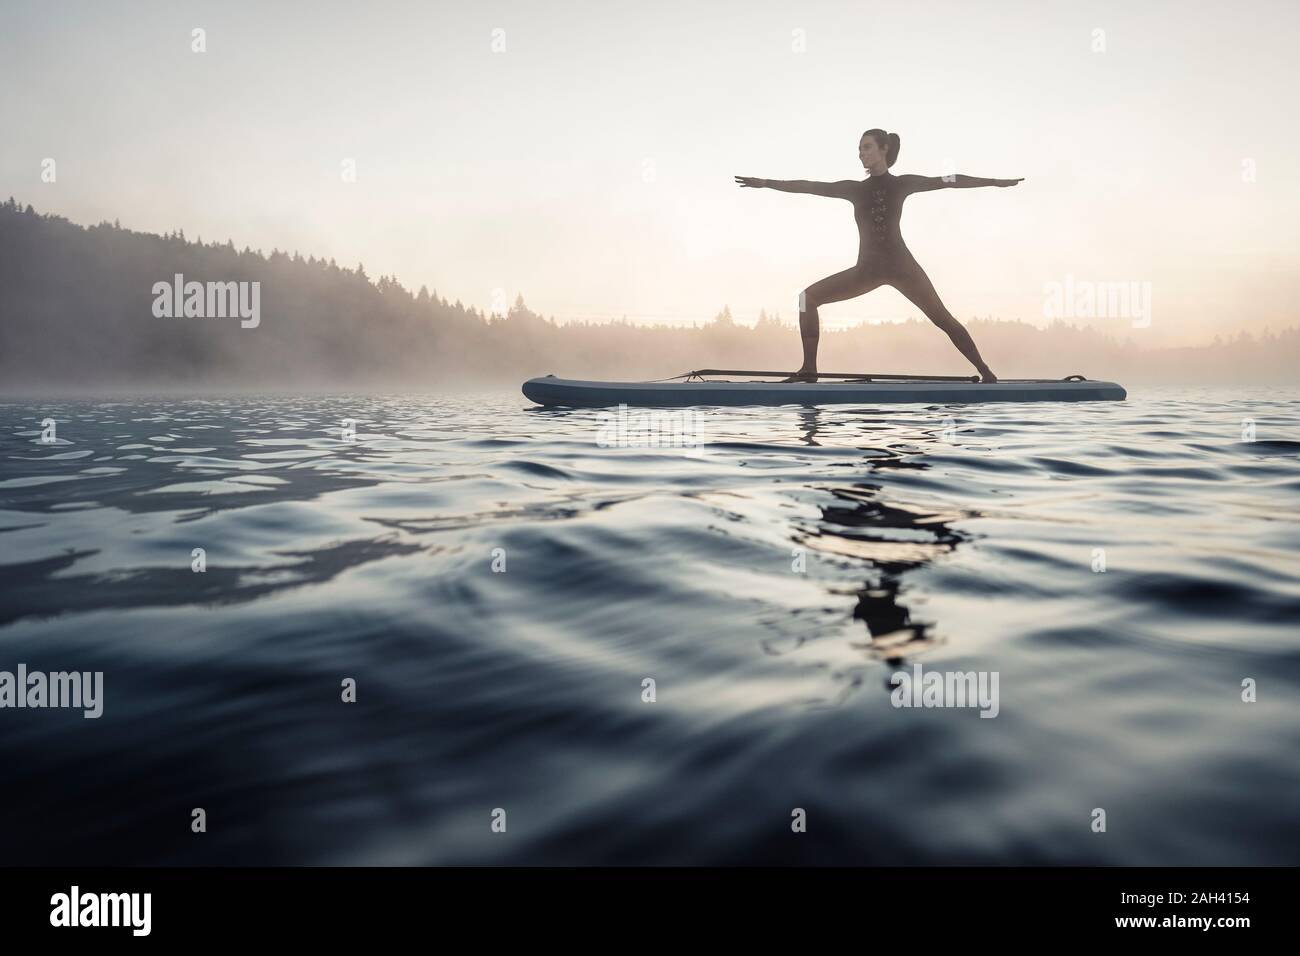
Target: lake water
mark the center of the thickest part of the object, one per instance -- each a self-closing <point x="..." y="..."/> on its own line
<point x="502" y="585"/>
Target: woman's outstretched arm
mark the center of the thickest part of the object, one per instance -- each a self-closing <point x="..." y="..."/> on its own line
<point x="840" y="190"/>
<point x="923" y="184"/>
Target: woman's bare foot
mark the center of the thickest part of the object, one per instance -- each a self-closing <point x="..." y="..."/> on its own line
<point x="803" y="375"/>
<point x="987" y="377"/>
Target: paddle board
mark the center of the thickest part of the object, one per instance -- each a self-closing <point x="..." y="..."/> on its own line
<point x="549" y="390"/>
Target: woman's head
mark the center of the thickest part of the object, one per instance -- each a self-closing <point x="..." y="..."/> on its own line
<point x="878" y="150"/>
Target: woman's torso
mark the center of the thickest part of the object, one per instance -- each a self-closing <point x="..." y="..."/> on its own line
<point x="877" y="208"/>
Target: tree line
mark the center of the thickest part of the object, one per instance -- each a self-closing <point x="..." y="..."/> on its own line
<point x="77" y="310"/>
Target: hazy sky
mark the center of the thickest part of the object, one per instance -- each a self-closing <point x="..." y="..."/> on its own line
<point x="588" y="165"/>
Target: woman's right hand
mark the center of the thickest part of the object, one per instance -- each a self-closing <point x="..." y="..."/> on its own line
<point x="751" y="181"/>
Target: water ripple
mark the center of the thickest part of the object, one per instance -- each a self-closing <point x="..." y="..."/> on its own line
<point x="501" y="586"/>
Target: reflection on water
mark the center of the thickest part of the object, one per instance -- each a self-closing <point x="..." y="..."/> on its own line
<point x="500" y="586"/>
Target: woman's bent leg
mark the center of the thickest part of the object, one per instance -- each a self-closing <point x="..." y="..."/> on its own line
<point x="835" y="288"/>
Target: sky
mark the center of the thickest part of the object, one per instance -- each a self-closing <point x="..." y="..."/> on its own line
<point x="582" y="154"/>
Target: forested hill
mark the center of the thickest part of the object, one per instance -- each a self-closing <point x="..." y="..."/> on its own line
<point x="77" y="305"/>
<point x="79" y="309"/>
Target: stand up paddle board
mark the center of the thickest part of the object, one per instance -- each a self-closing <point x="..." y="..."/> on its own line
<point x="703" y="387"/>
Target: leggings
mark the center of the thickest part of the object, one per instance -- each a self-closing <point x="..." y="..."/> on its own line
<point x="907" y="277"/>
<point x="904" y="275"/>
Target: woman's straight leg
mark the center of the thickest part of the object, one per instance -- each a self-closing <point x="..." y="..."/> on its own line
<point x="919" y="290"/>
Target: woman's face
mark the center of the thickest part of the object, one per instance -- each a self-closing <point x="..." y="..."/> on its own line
<point x="870" y="153"/>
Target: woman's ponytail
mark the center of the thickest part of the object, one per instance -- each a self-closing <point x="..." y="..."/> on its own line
<point x="891" y="149"/>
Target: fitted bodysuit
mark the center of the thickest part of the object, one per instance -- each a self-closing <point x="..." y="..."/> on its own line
<point x="877" y="208"/>
<point x="883" y="257"/>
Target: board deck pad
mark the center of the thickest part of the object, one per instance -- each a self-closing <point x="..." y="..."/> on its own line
<point x="561" y="392"/>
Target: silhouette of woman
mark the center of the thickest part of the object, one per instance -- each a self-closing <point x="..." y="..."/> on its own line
<point x="883" y="259"/>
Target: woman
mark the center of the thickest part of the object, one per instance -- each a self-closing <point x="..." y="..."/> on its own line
<point x="883" y="259"/>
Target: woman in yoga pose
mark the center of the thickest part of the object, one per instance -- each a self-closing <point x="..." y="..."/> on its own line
<point x="883" y="259"/>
